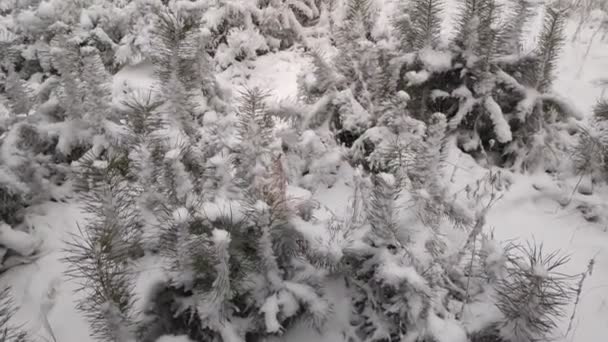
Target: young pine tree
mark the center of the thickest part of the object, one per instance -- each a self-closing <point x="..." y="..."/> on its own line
<point x="100" y="255"/>
<point x="533" y="295"/>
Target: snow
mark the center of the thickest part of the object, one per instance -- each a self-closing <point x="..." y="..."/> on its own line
<point x="174" y="338"/>
<point x="435" y="60"/>
<point x="220" y="236"/>
<point x="181" y="215"/>
<point x="501" y="126"/>
<point x="222" y="208"/>
<point x="525" y="213"/>
<point x="40" y="289"/>
<point x="403" y="96"/>
<point x="417" y="77"/>
<point x="173" y="154"/>
<point x="270" y="309"/>
<point x="277" y="73"/>
<point x="21" y="242"/>
<point x="307" y="295"/>
<point x="394" y="274"/>
<point x="446" y="330"/>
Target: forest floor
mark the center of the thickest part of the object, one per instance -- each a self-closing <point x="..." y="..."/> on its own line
<point x="530" y="209"/>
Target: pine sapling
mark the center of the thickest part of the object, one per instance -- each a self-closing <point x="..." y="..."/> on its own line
<point x="99" y="256"/>
<point x="534" y="294"/>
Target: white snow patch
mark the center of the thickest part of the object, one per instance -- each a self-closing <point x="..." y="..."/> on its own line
<point x="417" y="77"/>
<point x="21" y="242"/>
<point x="501" y="126"/>
<point x="445" y="330"/>
<point x="174" y="338"/>
<point x="435" y="60"/>
<point x="270" y="309"/>
<point x="220" y="236"/>
<point x="180" y="215"/>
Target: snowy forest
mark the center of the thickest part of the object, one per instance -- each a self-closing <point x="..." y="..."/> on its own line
<point x="303" y="170"/>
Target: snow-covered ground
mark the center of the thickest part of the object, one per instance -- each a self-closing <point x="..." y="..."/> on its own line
<point x="529" y="210"/>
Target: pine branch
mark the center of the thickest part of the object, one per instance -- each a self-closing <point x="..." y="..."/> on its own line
<point x="357" y="10"/>
<point x="18" y="95"/>
<point x="488" y="32"/>
<point x="98" y="257"/>
<point x="9" y="50"/>
<point x="357" y="21"/>
<point x="600" y="111"/>
<point x="468" y="22"/>
<point x="65" y="56"/>
<point x="254" y="128"/>
<point x="9" y="332"/>
<point x="381" y="211"/>
<point x="179" y="63"/>
<point x="425" y="23"/>
<point x="142" y="115"/>
<point x="550" y="44"/>
<point x="512" y="34"/>
<point x="213" y="307"/>
<point x="589" y="153"/>
<point x="325" y="79"/>
<point x="424" y="170"/>
<point x="97" y="86"/>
